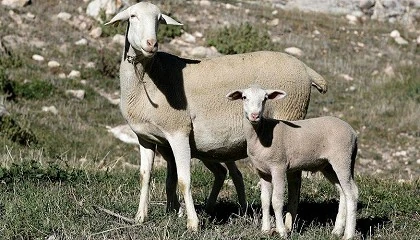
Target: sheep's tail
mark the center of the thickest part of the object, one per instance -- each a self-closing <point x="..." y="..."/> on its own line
<point x="317" y="80"/>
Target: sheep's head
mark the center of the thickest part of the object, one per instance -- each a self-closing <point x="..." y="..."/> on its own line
<point x="143" y="19"/>
<point x="254" y="99"/>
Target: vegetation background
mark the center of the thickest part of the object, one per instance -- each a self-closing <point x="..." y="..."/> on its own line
<point x="56" y="169"/>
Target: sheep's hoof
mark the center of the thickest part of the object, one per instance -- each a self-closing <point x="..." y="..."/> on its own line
<point x="338" y="232"/>
<point x="192" y="225"/>
<point x="288" y="222"/>
<point x="139" y="218"/>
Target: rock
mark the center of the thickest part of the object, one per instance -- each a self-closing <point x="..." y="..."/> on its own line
<point x="294" y="51"/>
<point x="189" y="38"/>
<point x="400" y="41"/>
<point x="79" y="94"/>
<point x="418" y="161"/>
<point x="124" y="133"/>
<point x="389" y="71"/>
<point x="90" y="65"/>
<point x="15" y="3"/>
<point x="96" y="32"/>
<point x="273" y="22"/>
<point x="64" y="16"/>
<point x="110" y="6"/>
<point x="394" y="34"/>
<point x="418" y="40"/>
<point x="205" y="3"/>
<point x="203" y="52"/>
<point x="74" y="74"/>
<point x="352" y="19"/>
<point x="53" y="64"/>
<point x="119" y="39"/>
<point x="366" y="4"/>
<point x="346" y="77"/>
<point x="51" y="109"/>
<point x="15" y="17"/>
<point x="38" y="58"/>
<point x="400" y="154"/>
<point x="81" y="42"/>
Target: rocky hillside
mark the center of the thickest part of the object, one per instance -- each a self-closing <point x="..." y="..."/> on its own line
<point x="59" y="69"/>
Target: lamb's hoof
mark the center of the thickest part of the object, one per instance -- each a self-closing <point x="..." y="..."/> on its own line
<point x="338" y="232"/>
<point x="139" y="218"/>
<point x="281" y="233"/>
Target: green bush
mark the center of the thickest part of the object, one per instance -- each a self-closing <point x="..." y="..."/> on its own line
<point x="36" y="89"/>
<point x="239" y="39"/>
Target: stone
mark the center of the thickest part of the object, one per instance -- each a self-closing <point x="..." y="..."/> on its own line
<point x="53" y="64"/>
<point x="110" y="6"/>
<point x="124" y="133"/>
<point x="395" y="34"/>
<point x="366" y="4"/>
<point x="51" y="109"/>
<point x="15" y="17"/>
<point x="96" y="32"/>
<point x="38" y="58"/>
<point x="400" y="41"/>
<point x="346" y="77"/>
<point x="79" y="94"/>
<point x="418" y="40"/>
<point x="352" y="19"/>
<point x="273" y="22"/>
<point x="205" y="3"/>
<point x="65" y="16"/>
<point x="294" y="51"/>
<point x="74" y="74"/>
<point x="189" y="38"/>
<point x="81" y="42"/>
<point x="15" y="3"/>
<point x="119" y="39"/>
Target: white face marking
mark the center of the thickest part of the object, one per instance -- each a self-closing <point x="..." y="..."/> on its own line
<point x="254" y="100"/>
<point x="144" y="23"/>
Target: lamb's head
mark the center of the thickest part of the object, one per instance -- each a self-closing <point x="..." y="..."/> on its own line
<point x="254" y="99"/>
<point x="143" y="22"/>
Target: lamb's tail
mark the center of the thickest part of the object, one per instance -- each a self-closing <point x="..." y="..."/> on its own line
<point x="317" y="80"/>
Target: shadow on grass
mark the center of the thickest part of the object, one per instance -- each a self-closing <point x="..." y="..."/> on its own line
<point x="309" y="213"/>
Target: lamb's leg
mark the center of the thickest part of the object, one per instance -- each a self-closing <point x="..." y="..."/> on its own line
<point x="172" y="202"/>
<point x="182" y="152"/>
<point x="266" y="191"/>
<point x="147" y="154"/>
<point x="340" y="220"/>
<point x="294" y="182"/>
<point x="238" y="181"/>
<point x="278" y="181"/>
<point x="351" y="192"/>
<point x="219" y="173"/>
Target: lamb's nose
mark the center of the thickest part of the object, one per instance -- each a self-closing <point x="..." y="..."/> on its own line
<point x="254" y="116"/>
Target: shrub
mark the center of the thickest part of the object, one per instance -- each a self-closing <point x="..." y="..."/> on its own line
<point x="239" y="39"/>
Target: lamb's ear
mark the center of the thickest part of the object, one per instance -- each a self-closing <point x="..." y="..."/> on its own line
<point x="165" y="19"/>
<point x="235" y="95"/>
<point x="275" y="94"/>
<point x="121" y="16"/>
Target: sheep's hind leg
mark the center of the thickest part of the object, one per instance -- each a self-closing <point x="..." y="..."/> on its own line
<point x="294" y="183"/>
<point x="219" y="173"/>
<point x="340" y="220"/>
<point x="172" y="202"/>
<point x="147" y="154"/>
<point x="238" y="181"/>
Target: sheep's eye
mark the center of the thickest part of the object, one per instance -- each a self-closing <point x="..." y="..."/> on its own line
<point x="243" y="97"/>
<point x="133" y="16"/>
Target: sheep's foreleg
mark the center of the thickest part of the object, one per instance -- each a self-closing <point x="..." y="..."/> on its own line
<point x="147" y="155"/>
<point x="278" y="181"/>
<point x="182" y="152"/>
<point x="266" y="191"/>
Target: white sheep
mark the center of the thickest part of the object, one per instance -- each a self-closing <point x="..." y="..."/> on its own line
<point x="175" y="104"/>
<point x="278" y="147"/>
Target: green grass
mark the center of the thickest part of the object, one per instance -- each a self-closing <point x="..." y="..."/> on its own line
<point x="54" y="169"/>
<point x="40" y="200"/>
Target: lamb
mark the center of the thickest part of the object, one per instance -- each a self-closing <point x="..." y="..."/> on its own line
<point x="277" y="147"/>
<point x="174" y="105"/>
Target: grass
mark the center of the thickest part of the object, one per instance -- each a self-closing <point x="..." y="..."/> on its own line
<point x="64" y="202"/>
<point x="55" y="169"/>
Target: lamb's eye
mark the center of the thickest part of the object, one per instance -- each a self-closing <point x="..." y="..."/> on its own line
<point x="243" y="97"/>
<point x="133" y="16"/>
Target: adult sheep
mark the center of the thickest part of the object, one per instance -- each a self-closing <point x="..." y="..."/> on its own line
<point x="177" y="105"/>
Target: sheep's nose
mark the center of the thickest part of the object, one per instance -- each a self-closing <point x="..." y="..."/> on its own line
<point x="151" y="42"/>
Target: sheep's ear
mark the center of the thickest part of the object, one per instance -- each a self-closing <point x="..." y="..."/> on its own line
<point x="121" y="16"/>
<point x="165" y="19"/>
<point x="235" y="95"/>
<point x="275" y="94"/>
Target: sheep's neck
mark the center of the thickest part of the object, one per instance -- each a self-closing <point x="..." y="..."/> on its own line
<point x="260" y="133"/>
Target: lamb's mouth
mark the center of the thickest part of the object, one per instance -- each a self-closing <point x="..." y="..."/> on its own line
<point x="149" y="53"/>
